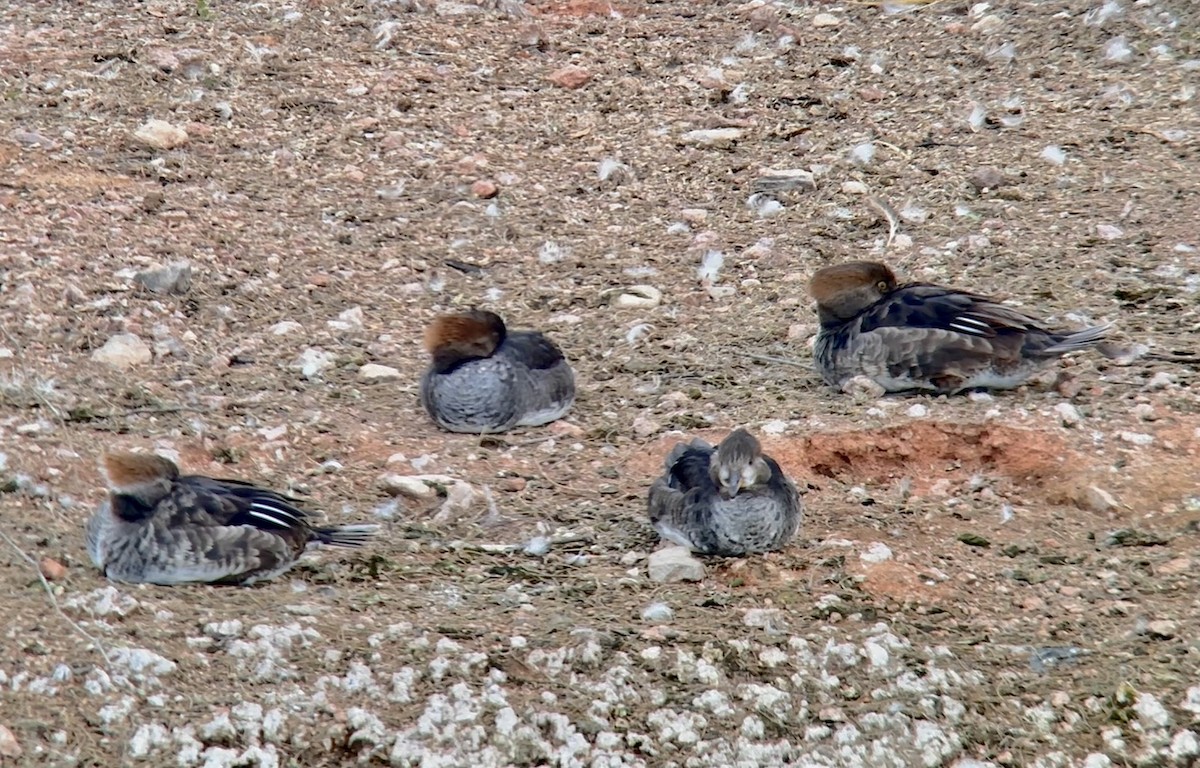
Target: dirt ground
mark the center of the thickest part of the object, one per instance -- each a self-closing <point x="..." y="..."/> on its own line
<point x="1031" y="555"/>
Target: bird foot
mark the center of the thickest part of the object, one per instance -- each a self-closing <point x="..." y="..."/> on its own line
<point x="862" y="388"/>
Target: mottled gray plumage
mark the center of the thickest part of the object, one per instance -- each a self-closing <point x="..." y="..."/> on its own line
<point x="484" y="378"/>
<point x="927" y="337"/>
<point x="730" y="501"/>
<point x="160" y="527"/>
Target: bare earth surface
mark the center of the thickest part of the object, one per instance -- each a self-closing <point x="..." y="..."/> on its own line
<point x="1008" y="580"/>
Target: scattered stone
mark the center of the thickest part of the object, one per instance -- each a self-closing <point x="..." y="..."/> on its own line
<point x="1054" y="154"/>
<point x="1160" y="380"/>
<point x="917" y="411"/>
<point x="313" y="362"/>
<point x="538" y="546"/>
<point x="712" y="137"/>
<point x="460" y="497"/>
<point x="987" y="177"/>
<point x="52" y="569"/>
<point x="348" y="321"/>
<point x="416" y="486"/>
<point x="674" y="564"/>
<point x="781" y="180"/>
<point x="1143" y="412"/>
<point x="512" y="484"/>
<point x="764" y="618"/>
<point x="571" y="77"/>
<point x="694" y="215"/>
<point x="1177" y="566"/>
<point x="161" y="135"/>
<point x="658" y="613"/>
<point x="854" y="188"/>
<point x="638" y="297"/>
<point x="123" y="350"/>
<point x="862" y="388"/>
<point x="876" y="552"/>
<point x="1096" y="499"/>
<point x="1136" y="438"/>
<point x="825" y="20"/>
<point x="485" y="189"/>
<point x="9" y="747"/>
<point x="1109" y="232"/>
<point x="1122" y="355"/>
<point x="286" y="327"/>
<point x="373" y="372"/>
<point x="974" y="540"/>
<point x="1162" y="629"/>
<point x="173" y="278"/>
<point x="644" y="427"/>
<point x="1067" y="414"/>
<point x="862" y="154"/>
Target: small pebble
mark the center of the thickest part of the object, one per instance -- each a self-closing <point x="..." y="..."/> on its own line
<point x="52" y="569"/>
<point x="658" y="613"/>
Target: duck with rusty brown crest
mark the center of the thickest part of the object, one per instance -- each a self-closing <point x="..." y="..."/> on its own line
<point x="920" y="336"/>
<point x="730" y="500"/>
<point x="160" y="527"/>
<point x="484" y="378"/>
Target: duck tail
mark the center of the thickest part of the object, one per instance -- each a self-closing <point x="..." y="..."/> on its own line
<point x="347" y="535"/>
<point x="1072" y="342"/>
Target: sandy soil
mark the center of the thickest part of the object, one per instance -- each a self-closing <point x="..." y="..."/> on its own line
<point x="1027" y="562"/>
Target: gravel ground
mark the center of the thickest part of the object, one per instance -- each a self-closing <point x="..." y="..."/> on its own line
<point x="224" y="225"/>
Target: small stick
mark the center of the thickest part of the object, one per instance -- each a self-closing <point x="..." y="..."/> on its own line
<point x="53" y="600"/>
<point x="771" y="359"/>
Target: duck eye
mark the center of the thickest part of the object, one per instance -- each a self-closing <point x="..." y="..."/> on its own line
<point x="882" y="285"/>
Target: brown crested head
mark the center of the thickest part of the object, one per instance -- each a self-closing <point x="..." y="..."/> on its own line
<point x="738" y="464"/>
<point x="130" y="472"/>
<point x="475" y="333"/>
<point x="844" y="290"/>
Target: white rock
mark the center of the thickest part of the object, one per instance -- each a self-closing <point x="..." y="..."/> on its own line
<point x="658" y="613"/>
<point x="776" y="427"/>
<point x="1118" y="50"/>
<point x="1109" y="232"/>
<point x="674" y="564"/>
<point x="1160" y="380"/>
<point x="312" y="362"/>
<point x="285" y="327"/>
<point x="917" y="411"/>
<point x="1067" y="414"/>
<point x="173" y="278"/>
<point x="123" y="350"/>
<point x="638" y="297"/>
<point x="862" y="154"/>
<point x="1191" y="702"/>
<point x="149" y="737"/>
<point x="1054" y="154"/>
<point x="876" y="552"/>
<point x="160" y="134"/>
<point x="9" y="746"/>
<point x="825" y="20"/>
<point x="644" y="427"/>
<point x="1151" y="713"/>
<point x="1184" y="745"/>
<point x="1097" y="760"/>
<point x="415" y="486"/>
<point x="141" y="662"/>
<point x="712" y="137"/>
<point x="1136" y="438"/>
<point x="764" y="618"/>
<point x="1098" y="500"/>
<point x="538" y="546"/>
<point x="348" y="321"/>
<point x="373" y="372"/>
<point x="459" y="498"/>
